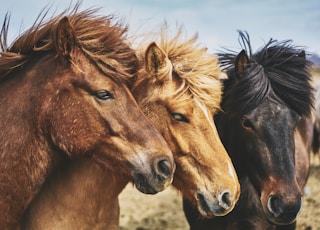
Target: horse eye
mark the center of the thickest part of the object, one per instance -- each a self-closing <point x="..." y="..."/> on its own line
<point x="179" y="117"/>
<point x="104" y="94"/>
<point x="246" y="123"/>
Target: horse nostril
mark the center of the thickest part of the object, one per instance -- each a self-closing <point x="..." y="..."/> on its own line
<point x="225" y="199"/>
<point x="163" y="169"/>
<point x="275" y="205"/>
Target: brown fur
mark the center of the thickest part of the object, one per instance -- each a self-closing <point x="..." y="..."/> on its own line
<point x="202" y="163"/>
<point x="101" y="39"/>
<point x="80" y="195"/>
<point x="51" y="79"/>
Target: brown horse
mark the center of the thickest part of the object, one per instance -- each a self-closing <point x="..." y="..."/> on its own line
<point x="63" y="95"/>
<point x="183" y="93"/>
<point x="266" y="106"/>
<point x="179" y="90"/>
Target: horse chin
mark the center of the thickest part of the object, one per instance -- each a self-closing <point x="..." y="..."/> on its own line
<point x="209" y="211"/>
<point x="285" y="218"/>
<point x="145" y="186"/>
<point x="146" y="189"/>
<point x="282" y="220"/>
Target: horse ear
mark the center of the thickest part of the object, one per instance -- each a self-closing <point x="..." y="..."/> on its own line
<point x="155" y="58"/>
<point x="64" y="37"/>
<point x="241" y="63"/>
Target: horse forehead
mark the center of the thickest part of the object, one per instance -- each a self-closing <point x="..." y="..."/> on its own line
<point x="275" y="108"/>
<point x="273" y="112"/>
<point x="90" y="74"/>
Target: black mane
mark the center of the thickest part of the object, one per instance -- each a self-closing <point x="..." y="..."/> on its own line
<point x="278" y="67"/>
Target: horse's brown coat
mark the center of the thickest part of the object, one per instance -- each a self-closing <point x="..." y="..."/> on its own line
<point x="202" y="162"/>
<point x="63" y="94"/>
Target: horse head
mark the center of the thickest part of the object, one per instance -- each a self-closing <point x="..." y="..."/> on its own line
<point x="76" y="100"/>
<point x="182" y="109"/>
<point x="263" y="107"/>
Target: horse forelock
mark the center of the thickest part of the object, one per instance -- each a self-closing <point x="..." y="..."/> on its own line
<point x="197" y="71"/>
<point x="283" y="71"/>
<point x="101" y="38"/>
<point x="242" y="95"/>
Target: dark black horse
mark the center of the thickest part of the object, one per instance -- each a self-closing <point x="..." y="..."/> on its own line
<point x="266" y="106"/>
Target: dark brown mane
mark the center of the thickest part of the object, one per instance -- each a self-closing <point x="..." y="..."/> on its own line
<point x="278" y="66"/>
<point x="99" y="39"/>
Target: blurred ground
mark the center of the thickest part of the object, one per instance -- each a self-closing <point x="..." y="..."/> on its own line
<point x="164" y="210"/>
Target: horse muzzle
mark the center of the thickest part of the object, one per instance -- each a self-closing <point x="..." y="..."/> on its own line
<point x="154" y="179"/>
<point x="282" y="212"/>
<point x="219" y="205"/>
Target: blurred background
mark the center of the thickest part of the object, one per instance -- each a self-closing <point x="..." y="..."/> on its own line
<point x="216" y="21"/>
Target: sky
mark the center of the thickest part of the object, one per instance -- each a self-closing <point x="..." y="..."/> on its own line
<point x="215" y="21"/>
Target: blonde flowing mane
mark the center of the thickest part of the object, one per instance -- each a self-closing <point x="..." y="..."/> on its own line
<point x="198" y="70"/>
<point x="100" y="40"/>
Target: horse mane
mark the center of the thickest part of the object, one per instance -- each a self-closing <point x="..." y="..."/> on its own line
<point x="286" y="74"/>
<point x="198" y="71"/>
<point x="99" y="39"/>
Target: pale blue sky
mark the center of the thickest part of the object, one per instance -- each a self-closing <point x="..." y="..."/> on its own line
<point x="216" y="21"/>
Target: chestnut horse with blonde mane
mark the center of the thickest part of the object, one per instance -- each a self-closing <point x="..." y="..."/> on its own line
<point x="178" y="88"/>
<point x="183" y="94"/>
<point x="64" y="97"/>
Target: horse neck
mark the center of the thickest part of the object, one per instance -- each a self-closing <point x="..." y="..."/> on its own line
<point x="19" y="142"/>
<point x="80" y="193"/>
<point x="84" y="179"/>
